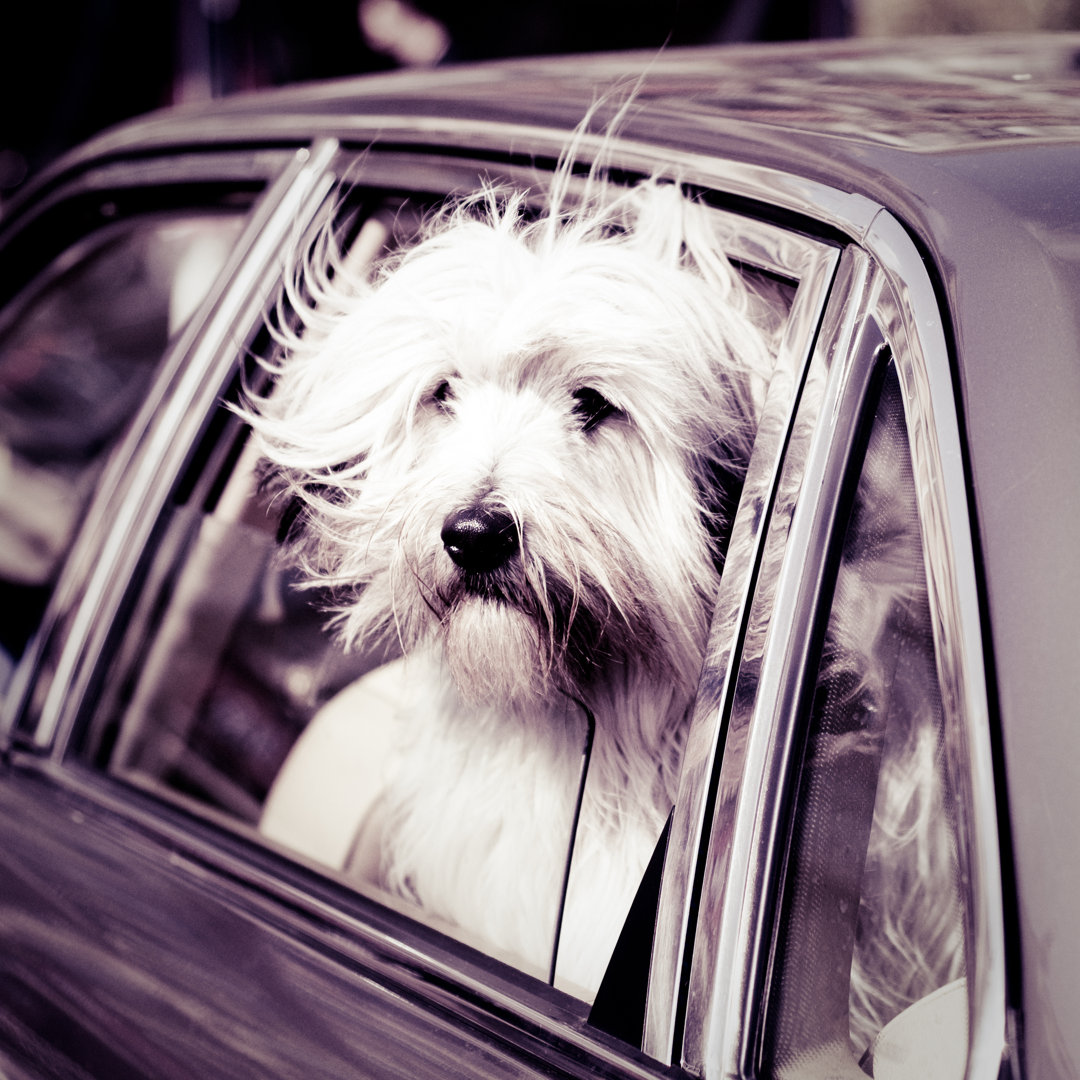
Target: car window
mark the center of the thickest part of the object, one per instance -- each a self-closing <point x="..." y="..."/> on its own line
<point x="78" y="348"/>
<point x="230" y="663"/>
<point x="868" y="969"/>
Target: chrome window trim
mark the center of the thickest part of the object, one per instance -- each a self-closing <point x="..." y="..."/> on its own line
<point x="911" y="318"/>
<point x="846" y="211"/>
<point x="731" y="919"/>
<point x="814" y="267"/>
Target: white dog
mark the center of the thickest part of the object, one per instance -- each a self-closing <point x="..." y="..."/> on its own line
<point x="513" y="448"/>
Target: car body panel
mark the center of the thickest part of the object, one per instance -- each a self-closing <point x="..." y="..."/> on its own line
<point x="107" y="966"/>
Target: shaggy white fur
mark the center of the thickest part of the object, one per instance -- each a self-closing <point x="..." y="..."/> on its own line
<point x="510" y="448"/>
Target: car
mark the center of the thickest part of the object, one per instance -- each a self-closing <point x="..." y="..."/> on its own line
<point x="911" y="208"/>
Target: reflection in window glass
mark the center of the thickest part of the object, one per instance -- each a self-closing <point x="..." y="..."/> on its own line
<point x="75" y="363"/>
<point x="869" y="969"/>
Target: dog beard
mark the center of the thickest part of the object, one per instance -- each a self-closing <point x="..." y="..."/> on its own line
<point x="495" y="653"/>
<point x="519" y="635"/>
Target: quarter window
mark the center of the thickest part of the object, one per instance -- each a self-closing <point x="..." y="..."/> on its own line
<point x="868" y="971"/>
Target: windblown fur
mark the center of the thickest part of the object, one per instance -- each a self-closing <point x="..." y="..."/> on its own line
<point x="585" y="379"/>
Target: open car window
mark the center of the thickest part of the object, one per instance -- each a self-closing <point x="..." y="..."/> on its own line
<point x="227" y="689"/>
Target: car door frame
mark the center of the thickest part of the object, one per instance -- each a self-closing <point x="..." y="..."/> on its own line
<point x="883" y="277"/>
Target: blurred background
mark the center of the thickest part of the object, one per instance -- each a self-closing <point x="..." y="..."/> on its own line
<point x="76" y="66"/>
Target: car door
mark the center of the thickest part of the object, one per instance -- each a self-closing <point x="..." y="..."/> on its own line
<point x="155" y="930"/>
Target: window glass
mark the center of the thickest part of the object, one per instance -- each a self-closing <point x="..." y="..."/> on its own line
<point x="868" y="976"/>
<point x="231" y="658"/>
<point x="231" y="690"/>
<point x="76" y="358"/>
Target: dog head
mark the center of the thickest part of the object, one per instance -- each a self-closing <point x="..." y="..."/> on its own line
<point x="508" y="441"/>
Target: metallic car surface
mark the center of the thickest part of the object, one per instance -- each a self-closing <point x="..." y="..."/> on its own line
<point x="974" y="152"/>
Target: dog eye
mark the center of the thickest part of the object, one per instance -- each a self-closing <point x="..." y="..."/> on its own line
<point x="442" y="393"/>
<point x="591" y="407"/>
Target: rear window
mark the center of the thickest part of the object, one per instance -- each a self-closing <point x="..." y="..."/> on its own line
<point x="231" y="690"/>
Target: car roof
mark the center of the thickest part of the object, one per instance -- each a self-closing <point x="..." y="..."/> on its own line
<point x="930" y="94"/>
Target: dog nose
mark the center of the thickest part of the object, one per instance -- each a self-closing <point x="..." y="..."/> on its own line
<point x="479" y="538"/>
